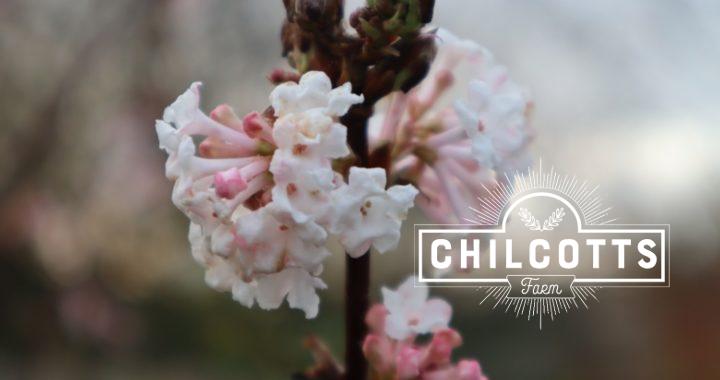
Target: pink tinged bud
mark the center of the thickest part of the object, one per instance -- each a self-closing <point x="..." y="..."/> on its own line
<point x="255" y="168"/>
<point x="433" y="201"/>
<point x="443" y="80"/>
<point x="375" y="318"/>
<point x="452" y="193"/>
<point x="469" y="370"/>
<point x="256" y="126"/>
<point x="471" y="176"/>
<point x="225" y="115"/>
<point x="407" y="363"/>
<point x="426" y="97"/>
<point x="207" y="126"/>
<point x="212" y="147"/>
<point x="378" y="351"/>
<point x="441" y="347"/>
<point x="435" y="208"/>
<point x="199" y="167"/>
<point x="462" y="153"/>
<point x="391" y="121"/>
<point x="278" y="76"/>
<point x="254" y="186"/>
<point x="229" y="182"/>
<point x="448" y="136"/>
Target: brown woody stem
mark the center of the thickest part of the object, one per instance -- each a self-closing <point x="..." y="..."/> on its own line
<point x="357" y="271"/>
<point x="357" y="286"/>
<point x="388" y="52"/>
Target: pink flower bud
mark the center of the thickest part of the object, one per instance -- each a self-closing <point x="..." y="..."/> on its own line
<point x="212" y="147"/>
<point x="278" y="76"/>
<point x="378" y="351"/>
<point x="225" y="115"/>
<point x="375" y="318"/>
<point x="469" y="370"/>
<point x="229" y="182"/>
<point x="407" y="363"/>
<point x="423" y="100"/>
<point x="441" y="347"/>
<point x="443" y="80"/>
<point x="256" y="126"/>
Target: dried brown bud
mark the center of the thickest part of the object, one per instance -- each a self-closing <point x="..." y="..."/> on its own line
<point x="416" y="68"/>
<point x="355" y="17"/>
<point x="278" y="76"/>
<point x="426" y="10"/>
<point x="317" y="14"/>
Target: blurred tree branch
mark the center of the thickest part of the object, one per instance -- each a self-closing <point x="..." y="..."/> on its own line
<point x="33" y="150"/>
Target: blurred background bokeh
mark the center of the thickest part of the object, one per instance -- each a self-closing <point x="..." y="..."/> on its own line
<point x="96" y="280"/>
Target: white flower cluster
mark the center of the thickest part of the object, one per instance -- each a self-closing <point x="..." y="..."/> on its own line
<point x="394" y="348"/>
<point x="463" y="128"/>
<point x="494" y="113"/>
<point x="410" y="312"/>
<point x="262" y="196"/>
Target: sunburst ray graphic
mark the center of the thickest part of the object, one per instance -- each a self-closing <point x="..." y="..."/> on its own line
<point x="496" y="199"/>
<point x="494" y="204"/>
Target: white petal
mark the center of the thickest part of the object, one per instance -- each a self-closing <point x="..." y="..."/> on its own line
<point x="184" y="109"/>
<point x="167" y="136"/>
<point x="244" y="293"/>
<point x="336" y="142"/>
<point x="413" y="296"/>
<point x="392" y="300"/>
<point x="295" y="283"/>
<point x="220" y="275"/>
<point x="396" y="327"/>
<point x="436" y="314"/>
<point x="222" y="240"/>
<point x="483" y="151"/>
<point x="316" y="81"/>
<point x="372" y="179"/>
<point x="341" y="99"/>
<point x="469" y="119"/>
<point x="365" y="214"/>
<point x="313" y="91"/>
<point x="411" y="312"/>
<point x="302" y="186"/>
<point x="198" y="244"/>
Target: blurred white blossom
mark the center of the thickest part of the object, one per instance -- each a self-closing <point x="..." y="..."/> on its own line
<point x="463" y="128"/>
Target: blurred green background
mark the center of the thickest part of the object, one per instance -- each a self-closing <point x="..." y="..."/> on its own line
<point x="96" y="280"/>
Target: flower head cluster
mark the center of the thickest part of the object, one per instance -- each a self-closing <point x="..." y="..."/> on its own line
<point x="464" y="127"/>
<point x="391" y="348"/>
<point x="262" y="196"/>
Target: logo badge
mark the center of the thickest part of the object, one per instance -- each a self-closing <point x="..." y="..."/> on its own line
<point x="542" y="245"/>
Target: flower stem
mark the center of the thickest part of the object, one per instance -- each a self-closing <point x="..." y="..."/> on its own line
<point x="356" y="304"/>
<point x="357" y="271"/>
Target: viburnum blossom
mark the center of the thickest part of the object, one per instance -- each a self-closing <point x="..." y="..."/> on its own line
<point x="391" y="347"/>
<point x="265" y="192"/>
<point x="410" y="312"/>
<point x="463" y="128"/>
<point x="262" y="195"/>
<point x="367" y="213"/>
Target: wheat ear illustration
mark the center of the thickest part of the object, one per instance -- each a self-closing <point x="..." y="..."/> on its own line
<point x="529" y="220"/>
<point x="554" y="219"/>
